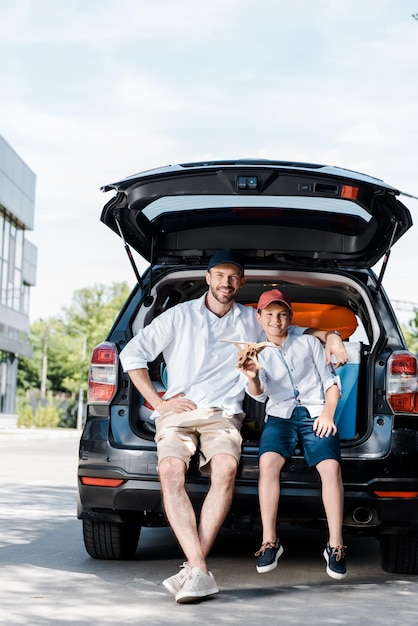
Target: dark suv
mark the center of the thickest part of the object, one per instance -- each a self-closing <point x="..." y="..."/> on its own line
<point x="315" y="231"/>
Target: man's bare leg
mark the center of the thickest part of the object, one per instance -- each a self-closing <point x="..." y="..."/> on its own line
<point x="218" y="499"/>
<point x="179" y="510"/>
<point x="196" y="543"/>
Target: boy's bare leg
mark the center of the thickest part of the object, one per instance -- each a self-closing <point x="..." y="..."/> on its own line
<point x="271" y="464"/>
<point x="333" y="499"/>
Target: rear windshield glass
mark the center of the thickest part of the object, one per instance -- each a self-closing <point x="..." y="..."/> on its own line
<point x="176" y="204"/>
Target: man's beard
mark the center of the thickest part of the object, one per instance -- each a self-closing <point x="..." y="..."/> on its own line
<point x="222" y="298"/>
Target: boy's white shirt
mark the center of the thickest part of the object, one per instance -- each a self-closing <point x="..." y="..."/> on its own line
<point x="297" y="368"/>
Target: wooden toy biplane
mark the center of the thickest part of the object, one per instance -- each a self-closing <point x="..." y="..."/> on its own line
<point x="249" y="350"/>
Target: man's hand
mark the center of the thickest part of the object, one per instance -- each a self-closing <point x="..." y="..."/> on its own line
<point x="176" y="404"/>
<point x="335" y="346"/>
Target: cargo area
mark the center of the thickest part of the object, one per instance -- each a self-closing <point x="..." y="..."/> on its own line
<point x="325" y="301"/>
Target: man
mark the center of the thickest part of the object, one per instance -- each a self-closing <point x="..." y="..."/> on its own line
<point x="202" y="407"/>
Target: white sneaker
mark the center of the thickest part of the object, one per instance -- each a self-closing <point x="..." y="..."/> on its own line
<point x="176" y="582"/>
<point x="198" y="585"/>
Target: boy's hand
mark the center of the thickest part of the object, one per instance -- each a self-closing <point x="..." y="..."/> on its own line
<point x="324" y="426"/>
<point x="250" y="369"/>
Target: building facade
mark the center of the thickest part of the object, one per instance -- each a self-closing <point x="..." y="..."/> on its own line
<point x="18" y="259"/>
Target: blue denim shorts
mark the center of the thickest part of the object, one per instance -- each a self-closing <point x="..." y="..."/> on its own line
<point x="281" y="435"/>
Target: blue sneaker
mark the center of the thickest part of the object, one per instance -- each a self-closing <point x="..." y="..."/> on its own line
<point x="335" y="558"/>
<point x="268" y="555"/>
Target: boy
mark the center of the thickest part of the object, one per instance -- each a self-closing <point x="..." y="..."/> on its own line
<point x="302" y="393"/>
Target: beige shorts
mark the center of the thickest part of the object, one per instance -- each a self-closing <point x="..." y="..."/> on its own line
<point x="179" y="435"/>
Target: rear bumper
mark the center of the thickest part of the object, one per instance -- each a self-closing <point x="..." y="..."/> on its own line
<point x="363" y="510"/>
<point x="300" y="502"/>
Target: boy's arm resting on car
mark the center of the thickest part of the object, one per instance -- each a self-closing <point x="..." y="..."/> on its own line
<point x="324" y="425"/>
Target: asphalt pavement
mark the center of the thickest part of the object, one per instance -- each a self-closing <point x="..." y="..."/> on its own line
<point x="48" y="579"/>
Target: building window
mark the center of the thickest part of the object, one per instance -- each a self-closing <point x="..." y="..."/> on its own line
<point x="25" y="299"/>
<point x="11" y="259"/>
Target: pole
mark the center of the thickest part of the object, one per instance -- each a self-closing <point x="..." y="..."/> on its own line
<point x="44" y="373"/>
<point x="81" y="393"/>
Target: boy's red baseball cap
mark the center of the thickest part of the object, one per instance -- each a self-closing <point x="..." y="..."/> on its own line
<point x="274" y="295"/>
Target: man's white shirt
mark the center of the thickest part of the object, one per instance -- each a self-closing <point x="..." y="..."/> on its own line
<point x="198" y="363"/>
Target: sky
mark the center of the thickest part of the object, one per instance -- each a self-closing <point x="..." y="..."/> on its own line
<point x="92" y="92"/>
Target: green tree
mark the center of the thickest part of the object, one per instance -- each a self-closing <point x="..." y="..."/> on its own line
<point x="410" y="332"/>
<point x="93" y="310"/>
<point x="62" y="345"/>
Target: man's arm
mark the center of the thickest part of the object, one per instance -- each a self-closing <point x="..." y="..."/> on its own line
<point x="177" y="404"/>
<point x="333" y="346"/>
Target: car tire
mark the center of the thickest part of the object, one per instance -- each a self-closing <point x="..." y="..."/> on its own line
<point x="399" y="553"/>
<point x="110" y="541"/>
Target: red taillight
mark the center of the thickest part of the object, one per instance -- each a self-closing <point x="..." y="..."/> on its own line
<point x="403" y="363"/>
<point x="101" y="482"/>
<point x="103" y="373"/>
<point x="402" y="382"/>
<point x="349" y="192"/>
<point x="396" y="494"/>
<point x="105" y="354"/>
